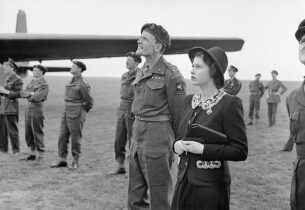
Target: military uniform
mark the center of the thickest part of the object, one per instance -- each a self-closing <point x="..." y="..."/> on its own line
<point x="256" y="92"/>
<point x="232" y="86"/>
<point x="125" y="117"/>
<point x="273" y="98"/>
<point x="159" y="94"/>
<point x="289" y="144"/>
<point x="34" y="117"/>
<point x="9" y="111"/>
<point x="78" y="101"/>
<point x="295" y="106"/>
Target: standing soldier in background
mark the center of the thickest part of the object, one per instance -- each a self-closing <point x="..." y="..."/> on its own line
<point x="125" y="117"/>
<point x="296" y="109"/>
<point x="36" y="93"/>
<point x="232" y="86"/>
<point x="256" y="92"/>
<point x="9" y="107"/>
<point x="273" y="96"/>
<point x="159" y="94"/>
<point x="78" y="101"/>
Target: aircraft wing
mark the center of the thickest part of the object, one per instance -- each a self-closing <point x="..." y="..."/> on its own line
<point x="39" y="47"/>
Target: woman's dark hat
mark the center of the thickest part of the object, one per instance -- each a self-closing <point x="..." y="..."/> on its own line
<point x="217" y="54"/>
<point x="300" y="31"/>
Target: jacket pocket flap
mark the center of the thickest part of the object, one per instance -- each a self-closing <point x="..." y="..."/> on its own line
<point x="152" y="84"/>
<point x="155" y="153"/>
<point x="294" y="115"/>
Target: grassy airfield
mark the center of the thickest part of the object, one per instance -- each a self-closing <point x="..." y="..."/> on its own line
<point x="262" y="182"/>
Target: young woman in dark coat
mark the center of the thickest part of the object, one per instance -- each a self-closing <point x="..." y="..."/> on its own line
<point x="203" y="172"/>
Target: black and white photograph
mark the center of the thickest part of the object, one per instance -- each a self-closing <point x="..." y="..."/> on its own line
<point x="152" y="105"/>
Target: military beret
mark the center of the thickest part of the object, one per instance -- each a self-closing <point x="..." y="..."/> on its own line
<point x="80" y="64"/>
<point x="14" y="65"/>
<point x="135" y="57"/>
<point x="233" y="68"/>
<point x="274" y="72"/>
<point x="41" y="68"/>
<point x="258" y="74"/>
<point x="158" y="32"/>
<point x="300" y="31"/>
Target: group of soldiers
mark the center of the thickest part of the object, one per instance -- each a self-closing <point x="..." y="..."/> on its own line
<point x="78" y="101"/>
<point x="273" y="90"/>
<point x="151" y="100"/>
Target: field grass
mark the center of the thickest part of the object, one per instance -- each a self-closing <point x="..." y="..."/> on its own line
<point x="261" y="182"/>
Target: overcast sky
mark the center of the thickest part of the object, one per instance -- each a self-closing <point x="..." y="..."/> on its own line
<point x="267" y="26"/>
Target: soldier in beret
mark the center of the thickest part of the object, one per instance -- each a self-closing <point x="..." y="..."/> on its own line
<point x="159" y="94"/>
<point x="296" y="109"/>
<point x="256" y="88"/>
<point x="125" y="116"/>
<point x="78" y="102"/>
<point x="9" y="107"/>
<point x="36" y="93"/>
<point x="273" y="96"/>
<point x="232" y="85"/>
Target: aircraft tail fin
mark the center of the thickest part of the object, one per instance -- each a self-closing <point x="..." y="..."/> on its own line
<point x="21" y="25"/>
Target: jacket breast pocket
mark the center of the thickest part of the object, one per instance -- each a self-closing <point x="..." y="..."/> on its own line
<point x="154" y="93"/>
<point x="73" y="91"/>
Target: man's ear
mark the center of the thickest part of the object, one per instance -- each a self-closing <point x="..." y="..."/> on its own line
<point x="159" y="47"/>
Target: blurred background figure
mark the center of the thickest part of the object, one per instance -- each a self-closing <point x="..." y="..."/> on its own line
<point x="125" y="117"/>
<point x="275" y="88"/>
<point x="9" y="107"/>
<point x="256" y="92"/>
<point x="232" y="86"/>
<point x="36" y="93"/>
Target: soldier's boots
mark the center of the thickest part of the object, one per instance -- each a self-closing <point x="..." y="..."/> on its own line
<point x="74" y="165"/>
<point x="59" y="164"/>
<point x="120" y="170"/>
<point x="250" y="123"/>
<point x="30" y="158"/>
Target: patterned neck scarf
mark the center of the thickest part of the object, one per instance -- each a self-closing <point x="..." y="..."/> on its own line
<point x="208" y="103"/>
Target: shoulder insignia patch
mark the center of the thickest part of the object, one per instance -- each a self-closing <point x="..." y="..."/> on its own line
<point x="180" y="89"/>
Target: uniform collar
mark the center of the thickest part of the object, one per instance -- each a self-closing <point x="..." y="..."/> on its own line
<point x="158" y="68"/>
<point x="76" y="78"/>
<point x="300" y="96"/>
<point x="132" y="73"/>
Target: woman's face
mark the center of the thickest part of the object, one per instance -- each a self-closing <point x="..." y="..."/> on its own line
<point x="200" y="73"/>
